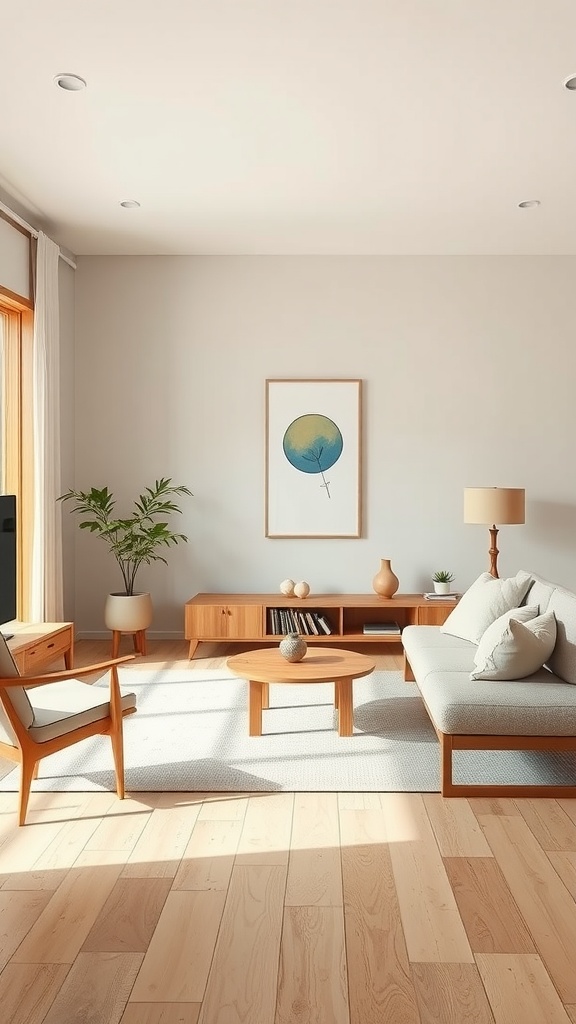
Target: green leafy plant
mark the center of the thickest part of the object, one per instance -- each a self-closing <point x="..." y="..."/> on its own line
<point x="443" y="576"/>
<point x="137" y="540"/>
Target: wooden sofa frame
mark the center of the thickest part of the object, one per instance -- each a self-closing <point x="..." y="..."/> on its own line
<point x="450" y="742"/>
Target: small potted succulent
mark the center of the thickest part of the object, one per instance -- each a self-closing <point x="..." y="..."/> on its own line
<point x="442" y="581"/>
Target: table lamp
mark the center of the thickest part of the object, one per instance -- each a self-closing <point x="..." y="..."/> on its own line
<point x="491" y="505"/>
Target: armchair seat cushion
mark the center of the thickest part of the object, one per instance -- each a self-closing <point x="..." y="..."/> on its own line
<point x="60" y="708"/>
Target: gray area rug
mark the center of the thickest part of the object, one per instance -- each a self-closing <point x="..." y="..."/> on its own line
<point x="191" y="733"/>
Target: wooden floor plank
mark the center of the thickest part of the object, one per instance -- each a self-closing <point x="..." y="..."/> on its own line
<point x="456" y="827"/>
<point x="96" y="989"/>
<point x="433" y="928"/>
<point x="177" y="962"/>
<point x="451" y="994"/>
<point x="129" y="917"/>
<point x="314" y="870"/>
<point x="565" y="866"/>
<point x="312" y="967"/>
<point x="491" y="918"/>
<point x="62" y="927"/>
<point x="379" y="982"/>
<point x="19" y="912"/>
<point x="161" y="1013"/>
<point x="549" y="823"/>
<point x="209" y="856"/>
<point x="28" y="990"/>
<point x="159" y="848"/>
<point x="493" y="805"/>
<point x="242" y="984"/>
<point x="542" y="898"/>
<point x="571" y="1011"/>
<point x="121" y="827"/>
<point x="267" y="828"/>
<point x="223" y="807"/>
<point x="519" y="989"/>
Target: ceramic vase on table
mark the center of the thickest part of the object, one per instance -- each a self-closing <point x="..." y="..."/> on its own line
<point x="385" y="582"/>
<point x="293" y="647"/>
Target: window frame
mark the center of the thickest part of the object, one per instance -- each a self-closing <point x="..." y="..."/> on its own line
<point x="18" y="431"/>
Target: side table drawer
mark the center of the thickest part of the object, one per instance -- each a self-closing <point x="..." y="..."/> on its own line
<point x="43" y="652"/>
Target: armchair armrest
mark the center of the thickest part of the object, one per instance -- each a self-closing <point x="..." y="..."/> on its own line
<point x="63" y="674"/>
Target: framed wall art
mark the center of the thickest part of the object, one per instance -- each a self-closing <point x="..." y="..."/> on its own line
<point x="313" y="458"/>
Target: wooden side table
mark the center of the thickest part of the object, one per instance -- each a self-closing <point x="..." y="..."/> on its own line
<point x="40" y="643"/>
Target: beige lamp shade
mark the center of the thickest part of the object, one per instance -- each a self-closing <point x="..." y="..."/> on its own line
<point x="497" y="505"/>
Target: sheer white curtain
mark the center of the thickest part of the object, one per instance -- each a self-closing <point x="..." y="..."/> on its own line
<point x="46" y="584"/>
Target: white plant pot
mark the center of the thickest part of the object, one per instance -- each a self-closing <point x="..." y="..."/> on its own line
<point x="128" y="614"/>
<point x="442" y="588"/>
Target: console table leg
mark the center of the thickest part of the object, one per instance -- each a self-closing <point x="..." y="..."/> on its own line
<point x="192" y="648"/>
<point x="255" y="708"/>
<point x="345" y="707"/>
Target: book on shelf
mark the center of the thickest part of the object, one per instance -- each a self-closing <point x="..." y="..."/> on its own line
<point x="381" y="628"/>
<point x="323" y="623"/>
<point x="452" y="596"/>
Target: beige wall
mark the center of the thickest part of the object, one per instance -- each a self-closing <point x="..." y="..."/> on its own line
<point x="469" y="370"/>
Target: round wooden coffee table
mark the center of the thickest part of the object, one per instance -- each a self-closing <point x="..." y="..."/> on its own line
<point x="319" y="665"/>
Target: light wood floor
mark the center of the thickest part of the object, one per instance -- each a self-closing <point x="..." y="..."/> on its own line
<point x="306" y="908"/>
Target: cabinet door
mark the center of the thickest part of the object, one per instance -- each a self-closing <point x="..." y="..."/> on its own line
<point x="244" y="621"/>
<point x="431" y="615"/>
<point x="207" y="620"/>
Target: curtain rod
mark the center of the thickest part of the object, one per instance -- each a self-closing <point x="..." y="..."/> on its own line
<point x="33" y="231"/>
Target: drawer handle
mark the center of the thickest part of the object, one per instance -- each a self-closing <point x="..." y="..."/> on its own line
<point x="50" y="645"/>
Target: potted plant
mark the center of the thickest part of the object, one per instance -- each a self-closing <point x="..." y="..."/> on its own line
<point x="442" y="580"/>
<point x="135" y="541"/>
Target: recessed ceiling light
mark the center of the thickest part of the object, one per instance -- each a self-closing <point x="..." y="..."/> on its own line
<point x="570" y="83"/>
<point x="129" y="204"/>
<point x="528" y="203"/>
<point x="70" y="83"/>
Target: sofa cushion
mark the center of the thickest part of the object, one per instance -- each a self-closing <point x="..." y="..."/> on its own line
<point x="562" y="661"/>
<point x="539" y="593"/>
<point x="541" y="705"/>
<point x="516" y="648"/>
<point x="483" y="603"/>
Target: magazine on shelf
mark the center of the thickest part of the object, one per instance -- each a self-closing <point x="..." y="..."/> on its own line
<point x="381" y="628"/>
<point x="452" y="596"/>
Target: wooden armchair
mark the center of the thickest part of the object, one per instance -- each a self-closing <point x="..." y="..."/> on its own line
<point x="42" y="714"/>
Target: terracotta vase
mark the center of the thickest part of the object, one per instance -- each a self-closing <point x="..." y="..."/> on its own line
<point x="385" y="582"/>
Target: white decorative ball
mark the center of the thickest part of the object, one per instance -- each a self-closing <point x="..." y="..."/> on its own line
<point x="302" y="589"/>
<point x="287" y="588"/>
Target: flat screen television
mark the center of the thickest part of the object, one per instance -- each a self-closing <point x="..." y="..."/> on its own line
<point x="7" y="557"/>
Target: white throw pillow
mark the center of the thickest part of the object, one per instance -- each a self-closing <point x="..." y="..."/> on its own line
<point x="496" y="629"/>
<point x="521" y="649"/>
<point x="483" y="603"/>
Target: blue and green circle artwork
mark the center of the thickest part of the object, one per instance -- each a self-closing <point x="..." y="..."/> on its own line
<point x="312" y="443"/>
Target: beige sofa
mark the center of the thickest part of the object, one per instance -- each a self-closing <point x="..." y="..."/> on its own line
<point x="534" y="713"/>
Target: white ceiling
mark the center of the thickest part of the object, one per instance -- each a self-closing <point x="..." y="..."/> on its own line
<point x="293" y="126"/>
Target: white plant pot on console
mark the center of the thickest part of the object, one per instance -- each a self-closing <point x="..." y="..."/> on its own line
<point x="442" y="588"/>
<point x="128" y="613"/>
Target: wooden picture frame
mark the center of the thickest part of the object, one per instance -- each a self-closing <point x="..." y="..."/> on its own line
<point x="313" y="458"/>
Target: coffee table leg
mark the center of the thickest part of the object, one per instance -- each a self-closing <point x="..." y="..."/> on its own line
<point x="255" y="708"/>
<point x="265" y="695"/>
<point x="336" y="696"/>
<point x="345" y="707"/>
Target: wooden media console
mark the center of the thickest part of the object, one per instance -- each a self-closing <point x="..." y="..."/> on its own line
<point x="241" y="618"/>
